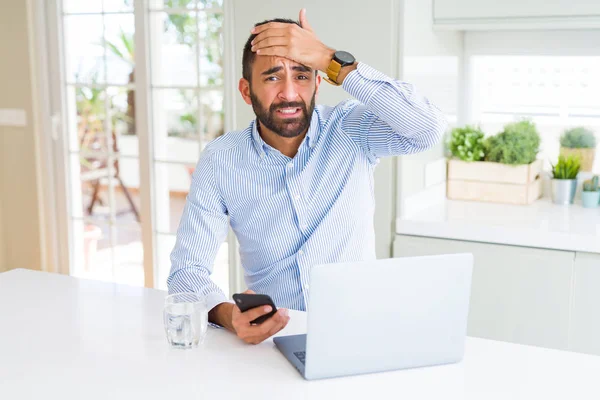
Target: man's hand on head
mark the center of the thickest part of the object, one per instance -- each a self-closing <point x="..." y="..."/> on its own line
<point x="299" y="44"/>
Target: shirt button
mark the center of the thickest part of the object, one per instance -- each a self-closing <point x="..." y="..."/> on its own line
<point x="303" y="226"/>
<point x="297" y="197"/>
<point x="306" y="286"/>
<point x="290" y="165"/>
<point x="300" y="252"/>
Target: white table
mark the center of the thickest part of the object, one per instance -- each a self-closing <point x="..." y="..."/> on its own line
<point x="67" y="338"/>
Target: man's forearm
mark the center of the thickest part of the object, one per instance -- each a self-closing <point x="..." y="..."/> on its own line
<point x="397" y="104"/>
<point x="221" y="315"/>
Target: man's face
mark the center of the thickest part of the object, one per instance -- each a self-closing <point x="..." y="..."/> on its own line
<point x="282" y="94"/>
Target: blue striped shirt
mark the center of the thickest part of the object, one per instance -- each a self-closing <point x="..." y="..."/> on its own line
<point x="292" y="213"/>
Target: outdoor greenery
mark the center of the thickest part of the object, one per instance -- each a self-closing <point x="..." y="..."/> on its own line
<point x="90" y="100"/>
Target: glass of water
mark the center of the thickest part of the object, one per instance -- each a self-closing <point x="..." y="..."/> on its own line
<point x="186" y="320"/>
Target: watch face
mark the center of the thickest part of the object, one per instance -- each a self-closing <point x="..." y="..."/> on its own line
<point x="344" y="57"/>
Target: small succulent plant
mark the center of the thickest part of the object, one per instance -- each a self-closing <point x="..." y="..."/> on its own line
<point x="591" y="185"/>
<point x="566" y="167"/>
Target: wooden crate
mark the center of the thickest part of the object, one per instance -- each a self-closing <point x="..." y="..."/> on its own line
<point x="494" y="182"/>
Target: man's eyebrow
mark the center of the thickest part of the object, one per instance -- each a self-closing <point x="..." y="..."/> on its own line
<point x="301" y="68"/>
<point x="272" y="70"/>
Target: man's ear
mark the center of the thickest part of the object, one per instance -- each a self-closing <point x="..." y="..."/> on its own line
<point x="244" y="88"/>
<point x="318" y="81"/>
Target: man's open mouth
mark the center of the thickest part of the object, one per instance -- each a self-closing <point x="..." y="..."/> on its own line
<point x="289" y="112"/>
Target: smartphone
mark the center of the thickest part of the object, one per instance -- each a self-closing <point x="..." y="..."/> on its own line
<point x="246" y="301"/>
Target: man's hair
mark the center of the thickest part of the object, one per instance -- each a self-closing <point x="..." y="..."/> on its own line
<point x="249" y="56"/>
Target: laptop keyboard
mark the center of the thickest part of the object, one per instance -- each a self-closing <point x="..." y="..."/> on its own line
<point x="301" y="355"/>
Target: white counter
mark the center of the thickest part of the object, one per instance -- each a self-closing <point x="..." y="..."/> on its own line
<point x="67" y="338"/>
<point x="542" y="224"/>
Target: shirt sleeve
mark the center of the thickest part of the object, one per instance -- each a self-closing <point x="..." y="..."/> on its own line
<point x="390" y="118"/>
<point x="202" y="230"/>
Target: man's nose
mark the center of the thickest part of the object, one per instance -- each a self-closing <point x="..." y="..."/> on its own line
<point x="288" y="90"/>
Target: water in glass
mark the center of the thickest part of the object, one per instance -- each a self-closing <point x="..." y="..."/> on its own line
<point x="186" y="320"/>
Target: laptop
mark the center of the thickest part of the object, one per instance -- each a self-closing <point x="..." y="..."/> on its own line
<point x="383" y="315"/>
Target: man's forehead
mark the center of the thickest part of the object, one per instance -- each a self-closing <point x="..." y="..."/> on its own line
<point x="263" y="63"/>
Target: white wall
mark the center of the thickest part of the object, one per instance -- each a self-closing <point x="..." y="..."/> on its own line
<point x="431" y="61"/>
<point x="367" y="30"/>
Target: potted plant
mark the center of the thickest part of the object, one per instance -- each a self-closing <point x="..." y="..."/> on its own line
<point x="502" y="168"/>
<point x="564" y="179"/>
<point x="517" y="144"/>
<point x="581" y="142"/>
<point x="590" y="197"/>
<point x="467" y="143"/>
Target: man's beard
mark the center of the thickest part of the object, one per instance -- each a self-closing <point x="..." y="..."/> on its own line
<point x="285" y="127"/>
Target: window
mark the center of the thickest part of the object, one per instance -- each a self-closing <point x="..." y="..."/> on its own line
<point x="555" y="92"/>
<point x="99" y="84"/>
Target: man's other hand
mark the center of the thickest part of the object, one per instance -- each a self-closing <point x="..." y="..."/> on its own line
<point x="238" y="322"/>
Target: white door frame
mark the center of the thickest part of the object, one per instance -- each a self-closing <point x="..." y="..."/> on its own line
<point x="46" y="26"/>
<point x="236" y="273"/>
<point x="54" y="157"/>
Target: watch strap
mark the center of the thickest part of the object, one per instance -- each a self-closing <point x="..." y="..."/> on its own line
<point x="333" y="72"/>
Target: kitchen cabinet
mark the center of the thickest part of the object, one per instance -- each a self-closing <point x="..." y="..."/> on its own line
<point x="585" y="316"/>
<point x="515" y="14"/>
<point x="519" y="294"/>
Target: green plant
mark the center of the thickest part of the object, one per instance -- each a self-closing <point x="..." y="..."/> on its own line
<point x="591" y="185"/>
<point x="578" y="138"/>
<point x="518" y="143"/>
<point x="566" y="167"/>
<point x="467" y="143"/>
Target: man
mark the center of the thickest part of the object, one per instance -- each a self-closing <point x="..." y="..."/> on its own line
<point x="297" y="184"/>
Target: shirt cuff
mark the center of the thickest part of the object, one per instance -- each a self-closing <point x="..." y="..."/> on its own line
<point x="364" y="82"/>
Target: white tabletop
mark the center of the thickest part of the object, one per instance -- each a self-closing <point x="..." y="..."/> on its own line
<point x="67" y="338"/>
<point x="541" y="224"/>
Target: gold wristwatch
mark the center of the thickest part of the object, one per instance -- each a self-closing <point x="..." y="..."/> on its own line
<point x="340" y="59"/>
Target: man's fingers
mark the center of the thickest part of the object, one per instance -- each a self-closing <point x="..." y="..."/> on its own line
<point x="270" y="42"/>
<point x="278" y="51"/>
<point x="254" y="313"/>
<point x="274" y="324"/>
<point x="267" y="34"/>
<point x="271" y="25"/>
<point x="282" y="324"/>
<point x="249" y="291"/>
<point x="304" y="22"/>
<point x="258" y="333"/>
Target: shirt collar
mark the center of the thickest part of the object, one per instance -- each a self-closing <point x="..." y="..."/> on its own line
<point x="312" y="135"/>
